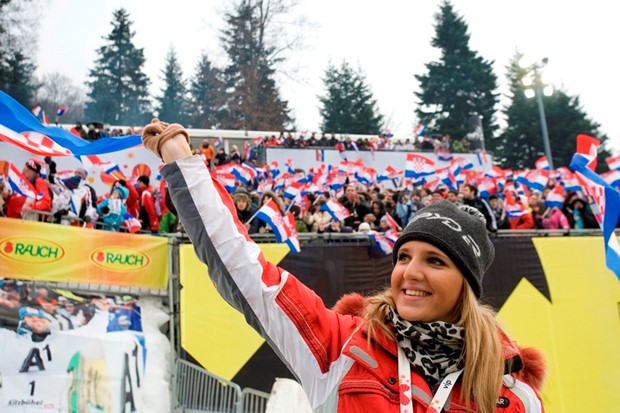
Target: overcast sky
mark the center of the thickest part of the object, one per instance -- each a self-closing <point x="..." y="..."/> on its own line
<point x="389" y="40"/>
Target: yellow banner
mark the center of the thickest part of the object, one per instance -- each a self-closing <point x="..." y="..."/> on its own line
<point x="60" y="253"/>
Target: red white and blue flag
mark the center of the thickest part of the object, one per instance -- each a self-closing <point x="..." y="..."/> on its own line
<point x="335" y="209"/>
<point x="613" y="162"/>
<point x="20" y="184"/>
<point x="217" y="142"/>
<point x="383" y="244"/>
<point x="132" y="223"/>
<point x="444" y="155"/>
<point x="226" y="179"/>
<point x="606" y="202"/>
<point x="483" y="158"/>
<point x="392" y="223"/>
<point x="270" y="213"/>
<point x="555" y="197"/>
<point x="418" y="166"/>
<point x="542" y="163"/>
<point x="513" y="208"/>
<point x="293" y="190"/>
<point x="61" y="110"/>
<point x="20" y="127"/>
<point x="292" y="239"/>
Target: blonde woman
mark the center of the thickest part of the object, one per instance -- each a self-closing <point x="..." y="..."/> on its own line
<point x="424" y="344"/>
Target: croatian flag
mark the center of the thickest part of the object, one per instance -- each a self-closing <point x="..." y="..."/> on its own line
<point x="513" y="208"/>
<point x="463" y="163"/>
<point x="613" y="162"/>
<point x="242" y="174"/>
<point x="383" y="244"/>
<point x="354" y="146"/>
<point x="444" y="155"/>
<point x="542" y="163"/>
<point x="320" y="155"/>
<point x="389" y="173"/>
<point x="588" y="147"/>
<point x="20" y="184"/>
<point x="335" y="209"/>
<point x="483" y="158"/>
<point x="293" y="190"/>
<point x="537" y="179"/>
<point x="61" y="110"/>
<point x="217" y="142"/>
<point x="418" y="166"/>
<point x="487" y="188"/>
<point x="570" y="182"/>
<point x="392" y="223"/>
<point x="607" y="201"/>
<point x="555" y="197"/>
<point x="289" y="166"/>
<point x="270" y="213"/>
<point x="18" y="126"/>
<point x="419" y="130"/>
<point x="366" y="175"/>
<point x="292" y="239"/>
<point x="227" y="180"/>
<point x="132" y="223"/>
<point x="274" y="168"/>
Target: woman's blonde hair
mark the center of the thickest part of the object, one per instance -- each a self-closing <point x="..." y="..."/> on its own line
<point x="484" y="361"/>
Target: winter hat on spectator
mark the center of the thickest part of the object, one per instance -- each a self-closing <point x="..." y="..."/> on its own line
<point x="72" y="183"/>
<point x="364" y="226"/>
<point x="460" y="232"/>
<point x="30" y="311"/>
<point x="33" y="166"/>
<point x="81" y="172"/>
<point x="122" y="191"/>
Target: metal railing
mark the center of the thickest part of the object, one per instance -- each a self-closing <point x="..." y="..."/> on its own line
<point x="197" y="390"/>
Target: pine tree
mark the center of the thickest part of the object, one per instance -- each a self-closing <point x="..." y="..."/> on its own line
<point x="119" y="88"/>
<point x="207" y="93"/>
<point x="459" y="85"/>
<point x="253" y="100"/>
<point x="17" y="78"/>
<point x="173" y="104"/>
<point x="348" y="105"/>
<point x="521" y="143"/>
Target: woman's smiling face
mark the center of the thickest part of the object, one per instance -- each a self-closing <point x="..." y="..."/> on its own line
<point x="426" y="284"/>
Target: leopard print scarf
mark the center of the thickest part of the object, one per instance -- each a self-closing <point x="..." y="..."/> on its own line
<point x="435" y="348"/>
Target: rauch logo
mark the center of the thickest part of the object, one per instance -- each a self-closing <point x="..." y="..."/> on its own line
<point x="31" y="250"/>
<point x="119" y="259"/>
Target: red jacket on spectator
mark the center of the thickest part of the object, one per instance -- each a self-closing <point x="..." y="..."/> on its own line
<point x="148" y="214"/>
<point x="132" y="203"/>
<point x="16" y="202"/>
<point x="525" y="221"/>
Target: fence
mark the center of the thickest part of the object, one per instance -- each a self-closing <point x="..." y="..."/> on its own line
<point x="197" y="390"/>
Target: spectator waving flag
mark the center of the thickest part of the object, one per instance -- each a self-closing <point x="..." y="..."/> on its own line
<point x="418" y="166"/>
<point x="226" y="179"/>
<point x="293" y="190"/>
<point x="217" y="142"/>
<point x="555" y="197"/>
<point x="613" y="162"/>
<point x="20" y="184"/>
<point x="61" y="110"/>
<point x="588" y="147"/>
<point x="292" y="239"/>
<point x="383" y="244"/>
<point x="392" y="223"/>
<point x="335" y="209"/>
<point x="514" y="209"/>
<point x="542" y="163"/>
<point x="419" y="130"/>
<point x="270" y="213"/>
<point x="607" y="201"/>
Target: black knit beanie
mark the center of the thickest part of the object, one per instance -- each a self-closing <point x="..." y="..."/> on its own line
<point x="460" y="232"/>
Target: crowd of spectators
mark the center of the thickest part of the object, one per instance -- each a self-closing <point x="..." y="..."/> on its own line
<point x="72" y="201"/>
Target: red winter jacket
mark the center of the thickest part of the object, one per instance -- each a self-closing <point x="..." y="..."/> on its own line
<point x="327" y="351"/>
<point x="43" y="202"/>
